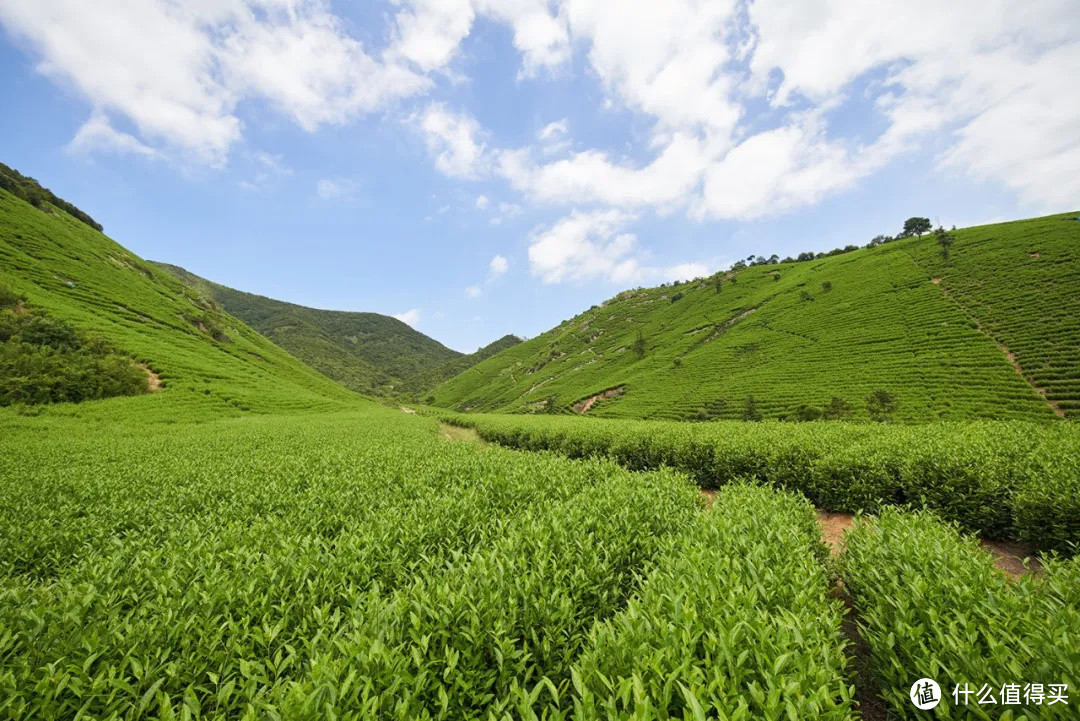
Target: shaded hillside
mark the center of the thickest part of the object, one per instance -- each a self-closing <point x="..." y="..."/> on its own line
<point x="368" y="352"/>
<point x="206" y="360"/>
<point x="982" y="336"/>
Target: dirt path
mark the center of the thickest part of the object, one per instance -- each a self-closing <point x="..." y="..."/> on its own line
<point x="1009" y="556"/>
<point x="153" y="381"/>
<point x="457" y="433"/>
<point x="585" y="405"/>
<point x="1009" y="355"/>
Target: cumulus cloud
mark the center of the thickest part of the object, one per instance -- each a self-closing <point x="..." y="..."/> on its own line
<point x="481" y="202"/>
<point x="593" y="245"/>
<point x="409" y="317"/>
<point x="428" y="33"/>
<point x="735" y="101"/>
<point x="207" y="58"/>
<point x="98" y="135"/>
<point x="453" y="140"/>
<point x="499" y="265"/>
<point x="473" y="291"/>
<point x="702" y="72"/>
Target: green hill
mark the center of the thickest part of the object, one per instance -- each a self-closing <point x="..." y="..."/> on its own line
<point x="992" y="333"/>
<point x="206" y="361"/>
<point x="368" y="352"/>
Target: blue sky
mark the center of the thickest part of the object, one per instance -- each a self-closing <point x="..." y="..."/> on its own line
<point x="482" y="167"/>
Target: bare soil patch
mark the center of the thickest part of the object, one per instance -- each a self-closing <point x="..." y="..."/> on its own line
<point x="153" y="381"/>
<point x="1036" y="255"/>
<point x="406" y="409"/>
<point x="833" y="526"/>
<point x="583" y="406"/>
<point x="936" y="281"/>
<point x="1009" y="556"/>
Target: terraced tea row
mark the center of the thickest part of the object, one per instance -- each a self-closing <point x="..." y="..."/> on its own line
<point x="999" y="479"/>
<point x="798" y="334"/>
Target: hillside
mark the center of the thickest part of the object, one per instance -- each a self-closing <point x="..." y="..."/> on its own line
<point x="368" y="352"/>
<point x="986" y="335"/>
<point x="206" y="361"/>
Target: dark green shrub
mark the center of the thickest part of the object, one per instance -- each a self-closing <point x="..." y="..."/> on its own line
<point x="881" y="405"/>
<point x="750" y="410"/>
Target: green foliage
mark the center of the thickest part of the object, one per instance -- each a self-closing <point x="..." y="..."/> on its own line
<point x="29" y="190"/>
<point x="945" y="240"/>
<point x="677" y="297"/>
<point x="750" y="410"/>
<point x="883" y="324"/>
<point x="358" y="564"/>
<point x="757" y="635"/>
<point x="9" y="298"/>
<point x="837" y="409"/>
<point x="881" y="405"/>
<point x="916" y="226"/>
<point x="639" y="346"/>
<point x="932" y="604"/>
<point x="718" y="283"/>
<point x="1000" y="479"/>
<point x="805" y="413"/>
<point x="45" y="360"/>
<point x="826" y="286"/>
<point x="367" y="352"/>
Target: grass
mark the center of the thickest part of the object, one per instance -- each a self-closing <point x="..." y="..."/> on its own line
<point x="841" y="326"/>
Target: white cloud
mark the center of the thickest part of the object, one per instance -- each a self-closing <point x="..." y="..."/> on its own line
<point x="409" y="317"/>
<point x="473" y="291"/>
<point x="428" y="33"/>
<point x="98" y="135"/>
<point x="339" y="189"/>
<point x="506" y="212"/>
<point x="588" y="246"/>
<point x="552" y="131"/>
<point x="591" y="176"/>
<point x="178" y="71"/>
<point x="481" y="202"/>
<point x="980" y="70"/>
<point x="452" y="139"/>
<point x="499" y="265"/>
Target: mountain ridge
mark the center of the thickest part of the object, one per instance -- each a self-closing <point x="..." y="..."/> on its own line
<point x="368" y="352"/>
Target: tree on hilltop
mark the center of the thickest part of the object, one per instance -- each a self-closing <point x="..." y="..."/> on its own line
<point x="916" y="226"/>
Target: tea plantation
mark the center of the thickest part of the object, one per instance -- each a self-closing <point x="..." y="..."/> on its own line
<point x="254" y="541"/>
<point x="895" y="317"/>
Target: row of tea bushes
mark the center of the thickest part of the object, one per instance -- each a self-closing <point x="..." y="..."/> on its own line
<point x="999" y="479"/>
<point x="932" y="605"/>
